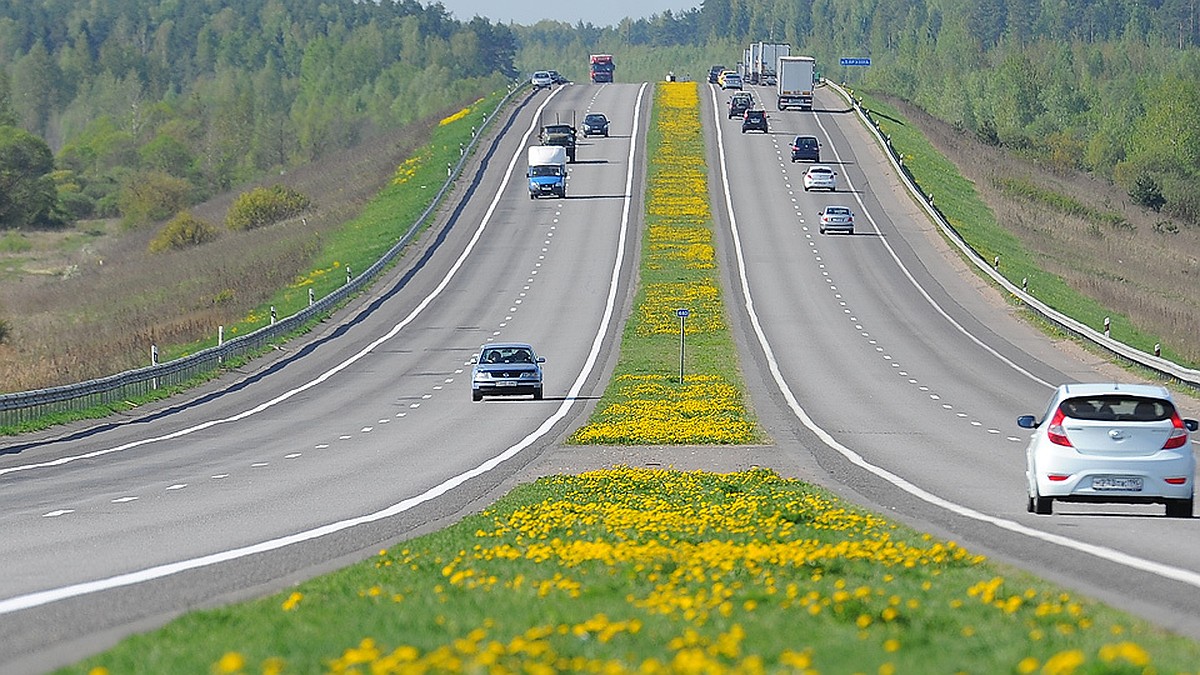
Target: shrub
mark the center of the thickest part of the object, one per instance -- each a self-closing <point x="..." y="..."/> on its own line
<point x="183" y="231"/>
<point x="76" y="205"/>
<point x="1147" y="192"/>
<point x="265" y="206"/>
<point x="152" y="195"/>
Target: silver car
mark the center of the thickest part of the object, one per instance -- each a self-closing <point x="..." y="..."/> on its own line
<point x="839" y="218"/>
<point x="506" y="369"/>
<point x="1111" y="443"/>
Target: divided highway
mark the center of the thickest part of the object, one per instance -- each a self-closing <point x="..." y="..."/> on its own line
<point x="877" y="364"/>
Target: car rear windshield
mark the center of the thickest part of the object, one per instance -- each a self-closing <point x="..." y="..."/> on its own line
<point x="1117" y="408"/>
<point x="805" y="141"/>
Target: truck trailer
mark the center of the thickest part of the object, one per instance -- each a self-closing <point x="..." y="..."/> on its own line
<point x="768" y="57"/>
<point x="795" y="81"/>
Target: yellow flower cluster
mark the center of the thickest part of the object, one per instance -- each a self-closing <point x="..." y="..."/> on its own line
<point x="455" y="117"/>
<point x="407" y="170"/>
<point x="657" y="411"/>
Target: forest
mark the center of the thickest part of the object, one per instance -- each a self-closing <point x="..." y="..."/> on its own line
<point x="138" y="108"/>
<point x="1109" y="87"/>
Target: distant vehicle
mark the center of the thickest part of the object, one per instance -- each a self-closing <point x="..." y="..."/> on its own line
<point x="601" y="67"/>
<point x="1111" y="443"/>
<point x="796" y="77"/>
<point x="838" y="218"/>
<point x="754" y="120"/>
<point x="595" y="124"/>
<point x="806" y="148"/>
<point x="740" y="103"/>
<point x="559" y="134"/>
<point x="731" y="81"/>
<point x="547" y="171"/>
<point x="763" y="59"/>
<point x="556" y="78"/>
<point x="714" y="73"/>
<point x="541" y="79"/>
<point x="820" y="177"/>
<point x="506" y="369"/>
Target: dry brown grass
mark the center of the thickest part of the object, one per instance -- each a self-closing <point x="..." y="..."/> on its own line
<point x="85" y="311"/>
<point x="1140" y="270"/>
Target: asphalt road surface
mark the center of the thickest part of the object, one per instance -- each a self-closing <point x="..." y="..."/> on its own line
<point x="879" y="365"/>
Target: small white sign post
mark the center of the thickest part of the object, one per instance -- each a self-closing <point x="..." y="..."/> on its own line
<point x="682" y="314"/>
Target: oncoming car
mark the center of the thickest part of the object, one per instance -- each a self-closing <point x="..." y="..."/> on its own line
<point x="541" y="79"/>
<point x="506" y="369"/>
<point x="839" y="218"/>
<point x="595" y="124"/>
<point x="820" y="177"/>
<point x="1110" y="443"/>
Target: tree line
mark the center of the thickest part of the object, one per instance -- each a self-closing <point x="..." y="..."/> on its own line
<point x="1106" y="86"/>
<point x="146" y="106"/>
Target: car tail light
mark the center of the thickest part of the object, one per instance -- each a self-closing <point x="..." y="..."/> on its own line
<point x="1177" y="480"/>
<point x="1179" y="435"/>
<point x="1058" y="477"/>
<point x="1055" y="431"/>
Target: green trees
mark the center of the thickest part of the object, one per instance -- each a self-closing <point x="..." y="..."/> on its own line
<point x="28" y="195"/>
<point x="217" y="92"/>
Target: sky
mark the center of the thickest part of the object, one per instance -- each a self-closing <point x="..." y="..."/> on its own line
<point x="597" y="12"/>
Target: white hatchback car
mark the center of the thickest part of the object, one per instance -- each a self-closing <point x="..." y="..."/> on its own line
<point x="1111" y="443"/>
<point x="541" y="79"/>
<point x="820" y="177"/>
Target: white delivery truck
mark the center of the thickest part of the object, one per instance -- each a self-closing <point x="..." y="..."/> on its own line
<point x="753" y="59"/>
<point x="769" y="54"/>
<point x="547" y="171"/>
<point x="795" y="75"/>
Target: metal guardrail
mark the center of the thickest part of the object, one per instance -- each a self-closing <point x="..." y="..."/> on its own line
<point x="26" y="406"/>
<point x="1165" y="368"/>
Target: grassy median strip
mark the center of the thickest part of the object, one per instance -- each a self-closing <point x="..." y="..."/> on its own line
<point x="646" y="403"/>
<point x="655" y="571"/>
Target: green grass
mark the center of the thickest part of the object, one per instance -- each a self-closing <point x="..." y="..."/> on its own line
<point x="638" y="570"/>
<point x="1064" y="204"/>
<point x="960" y="203"/>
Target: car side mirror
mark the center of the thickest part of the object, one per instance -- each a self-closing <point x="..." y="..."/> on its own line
<point x="1027" y="422"/>
<point x="474" y="360"/>
<point x="1192" y="425"/>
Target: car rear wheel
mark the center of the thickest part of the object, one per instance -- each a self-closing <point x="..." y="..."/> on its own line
<point x="1043" y="506"/>
<point x="537" y="394"/>
<point x="1180" y="508"/>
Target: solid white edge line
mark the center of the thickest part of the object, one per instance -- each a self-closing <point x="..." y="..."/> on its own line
<point x="31" y="600"/>
<point x="1178" y="574"/>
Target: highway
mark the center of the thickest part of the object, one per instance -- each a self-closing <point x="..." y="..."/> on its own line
<point x="878" y="365"/>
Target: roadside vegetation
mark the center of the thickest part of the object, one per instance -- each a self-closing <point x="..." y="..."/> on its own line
<point x="655" y="571"/>
<point x="647" y="402"/>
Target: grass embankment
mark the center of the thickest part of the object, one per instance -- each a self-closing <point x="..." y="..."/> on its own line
<point x="655" y="571"/>
<point x="960" y="202"/>
<point x="658" y="571"/>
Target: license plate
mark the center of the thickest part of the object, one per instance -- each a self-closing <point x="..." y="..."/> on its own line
<point x="1126" y="483"/>
<point x="506" y="383"/>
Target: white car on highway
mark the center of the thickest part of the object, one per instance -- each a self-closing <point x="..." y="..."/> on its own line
<point x="1111" y="443"/>
<point x="820" y="177"/>
<point x="839" y="218"/>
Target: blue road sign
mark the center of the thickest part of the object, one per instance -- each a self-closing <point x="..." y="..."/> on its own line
<point x="856" y="61"/>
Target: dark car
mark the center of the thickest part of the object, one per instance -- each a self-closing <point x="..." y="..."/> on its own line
<point x="595" y="124"/>
<point x="557" y="78"/>
<point x="740" y="103"/>
<point x="754" y="120"/>
<point x="806" y="148"/>
<point x="506" y="369"/>
<point x="714" y="73"/>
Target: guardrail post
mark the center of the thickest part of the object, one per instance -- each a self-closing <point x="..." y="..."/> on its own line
<point x="221" y="342"/>
<point x="312" y="297"/>
<point x="1158" y="349"/>
<point x="1025" y="284"/>
<point x="1107" y="327"/>
<point x="154" y="362"/>
<point x="996" y="262"/>
<point x="273" y="315"/>
<point x="348" y="275"/>
<point x="448" y="169"/>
